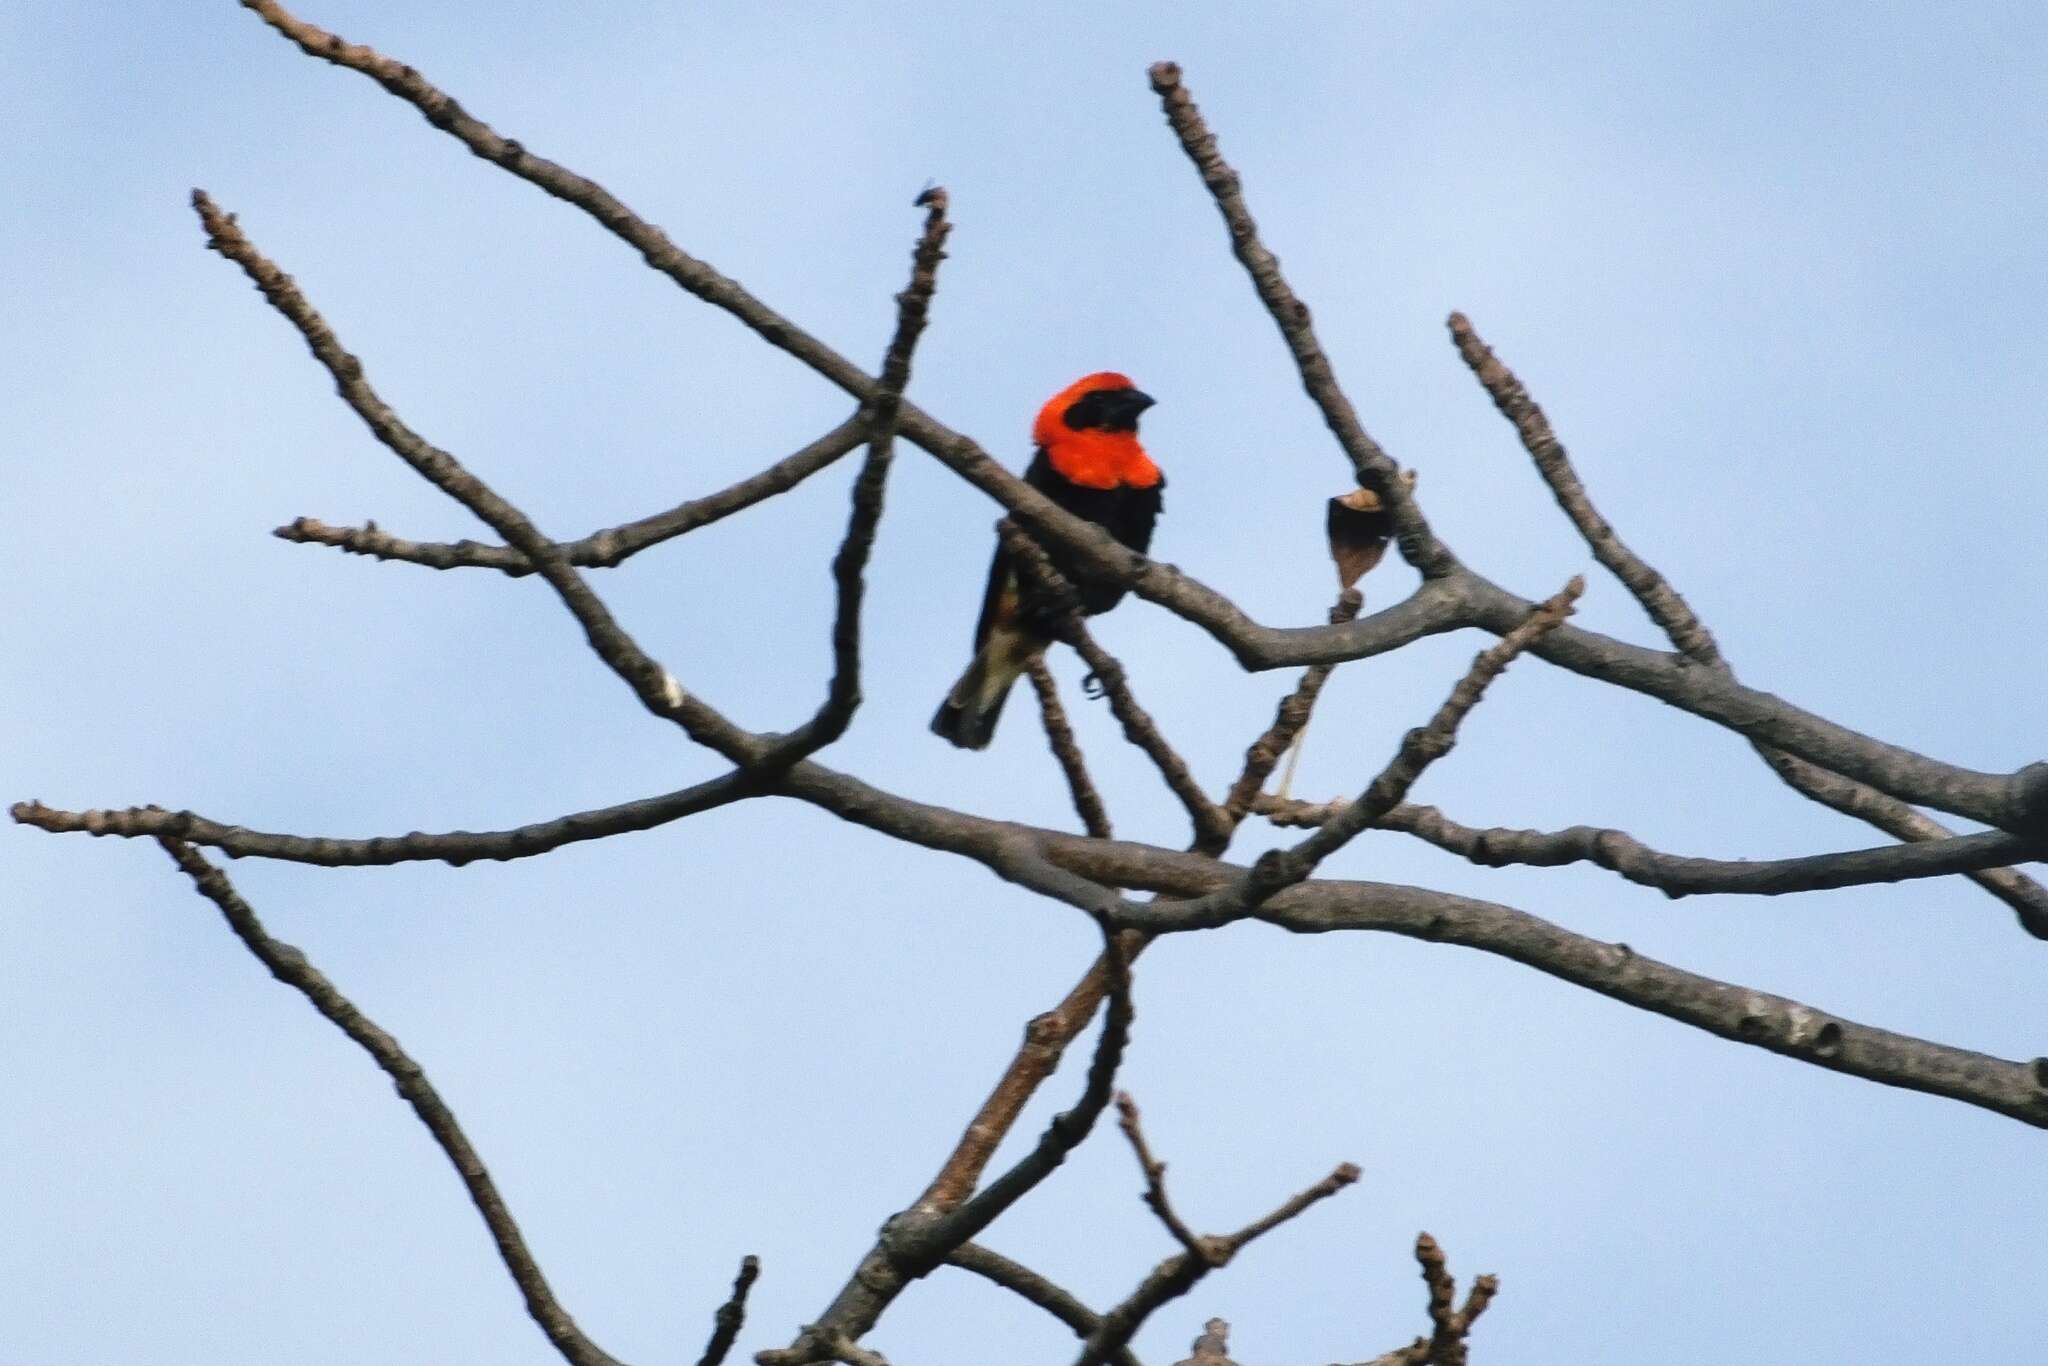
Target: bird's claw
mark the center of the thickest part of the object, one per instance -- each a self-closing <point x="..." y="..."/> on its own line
<point x="1091" y="685"/>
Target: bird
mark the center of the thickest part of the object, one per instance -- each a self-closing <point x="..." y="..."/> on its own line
<point x="1089" y="462"/>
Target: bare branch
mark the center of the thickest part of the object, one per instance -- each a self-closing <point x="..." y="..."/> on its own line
<point x="1155" y="1177"/>
<point x="1449" y="1325"/>
<point x="1279" y="869"/>
<point x="1045" y="1040"/>
<point x="2028" y="899"/>
<point x="1178" y="1274"/>
<point x="1742" y="1014"/>
<point x="732" y="1315"/>
<point x="1289" y="720"/>
<point x="1375" y="469"/>
<point x="289" y="965"/>
<point x="1022" y="1280"/>
<point x="600" y="549"/>
<point x="656" y="688"/>
<point x="913" y="305"/>
<point x="1059" y="735"/>
<point x="1458" y="598"/>
<point x="2016" y="1089"/>
<point x="1062" y="611"/>
<point x="455" y="848"/>
<point x="918" y="1240"/>
<point x="1674" y="875"/>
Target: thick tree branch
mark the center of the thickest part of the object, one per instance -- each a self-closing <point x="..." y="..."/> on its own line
<point x="1674" y="875"/>
<point x="2028" y="899"/>
<point x="289" y="965"/>
<point x="1801" y="1032"/>
<point x="1023" y="1281"/>
<point x="1742" y="1014"/>
<point x="600" y="549"/>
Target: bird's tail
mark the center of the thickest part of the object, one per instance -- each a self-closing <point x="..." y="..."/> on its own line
<point x="967" y="717"/>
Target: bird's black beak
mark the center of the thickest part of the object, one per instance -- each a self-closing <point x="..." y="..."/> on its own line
<point x="1131" y="402"/>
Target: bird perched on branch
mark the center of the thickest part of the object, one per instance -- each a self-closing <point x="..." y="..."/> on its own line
<point x="1090" y="463"/>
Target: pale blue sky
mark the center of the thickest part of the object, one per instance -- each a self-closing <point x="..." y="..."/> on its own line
<point x="1775" y="270"/>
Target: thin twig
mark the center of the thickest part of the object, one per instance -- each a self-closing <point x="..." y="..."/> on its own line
<point x="600" y="549"/>
<point x="732" y="1315"/>
<point x="1023" y="1281"/>
<point x="1068" y="1128"/>
<point x="1374" y="468"/>
<point x="454" y="848"/>
<point x="849" y="567"/>
<point x="656" y="688"/>
<point x="1279" y="869"/>
<point x="1673" y="616"/>
<point x="1449" y="1325"/>
<point x="1060" y="608"/>
<point x="1290" y="719"/>
<point x="289" y="965"/>
<point x="1059" y="736"/>
<point x="919" y="1239"/>
<point x="1675" y="875"/>
<point x="1155" y="1177"/>
<point x="1178" y="1274"/>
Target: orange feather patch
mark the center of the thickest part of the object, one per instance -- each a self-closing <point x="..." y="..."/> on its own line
<point x="1091" y="457"/>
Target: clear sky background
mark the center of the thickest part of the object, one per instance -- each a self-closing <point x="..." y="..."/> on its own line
<point x="1775" y="270"/>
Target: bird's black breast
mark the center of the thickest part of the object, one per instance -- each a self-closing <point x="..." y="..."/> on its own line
<point x="1125" y="512"/>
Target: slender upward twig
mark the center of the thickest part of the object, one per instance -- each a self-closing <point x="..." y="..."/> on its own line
<point x="732" y="1315"/>
<point x="1059" y="737"/>
<point x="919" y="1239"/>
<point x="600" y="549"/>
<point x="1374" y="468"/>
<point x="1060" y="607"/>
<point x="1673" y="616"/>
<point x="913" y="305"/>
<point x="1178" y="1274"/>
<point x="1290" y="719"/>
<point x="1155" y="1177"/>
<point x="289" y="965"/>
<point x="1449" y="1324"/>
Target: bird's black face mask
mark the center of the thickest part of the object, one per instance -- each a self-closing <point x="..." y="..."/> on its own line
<point x="1109" y="410"/>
